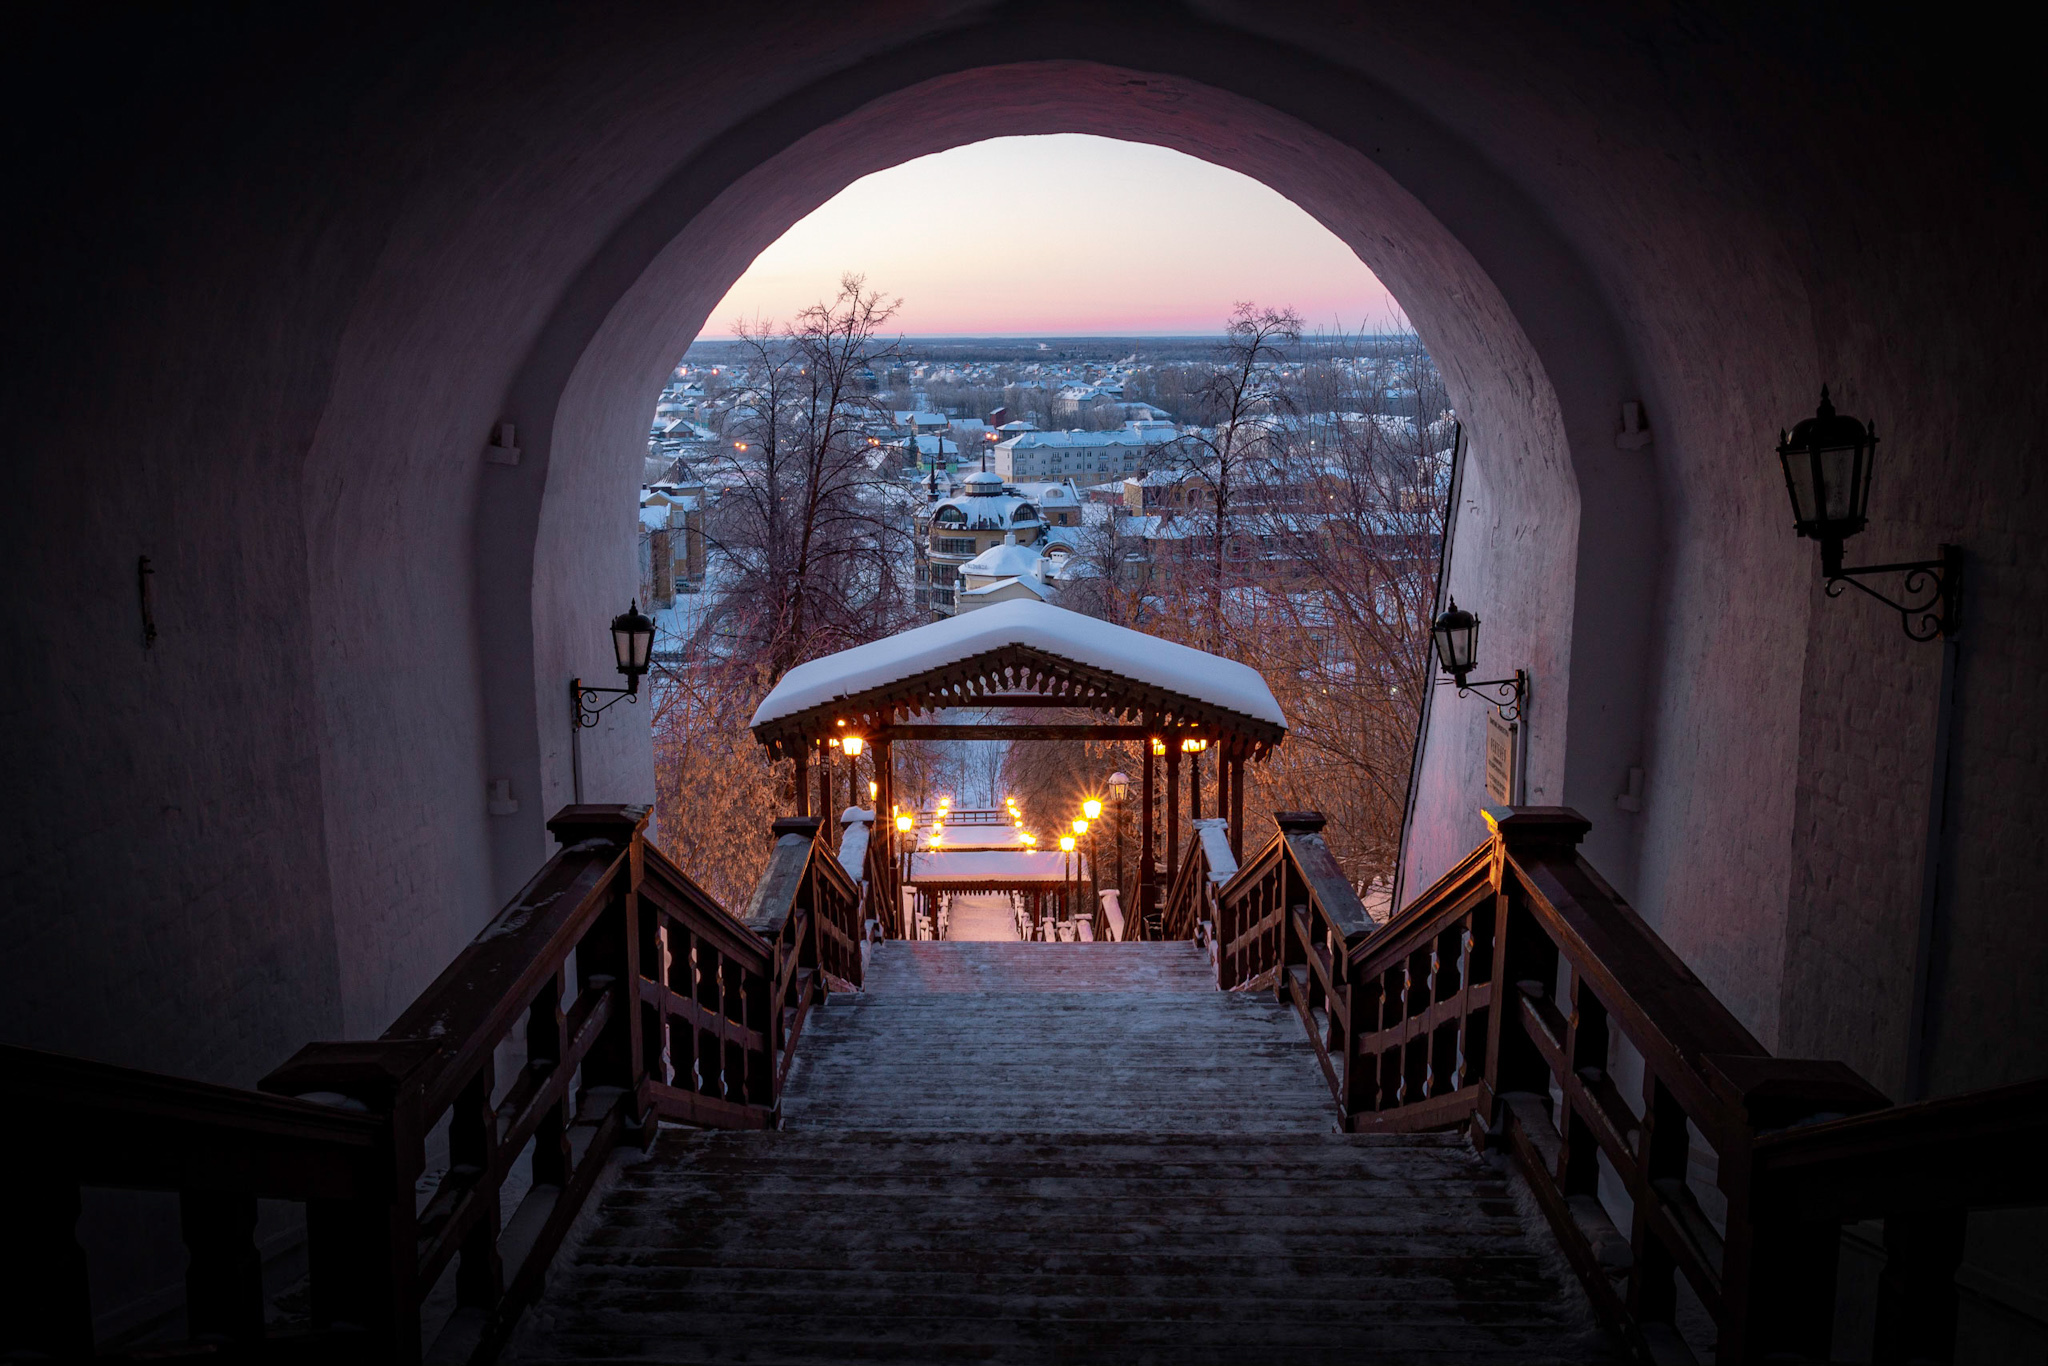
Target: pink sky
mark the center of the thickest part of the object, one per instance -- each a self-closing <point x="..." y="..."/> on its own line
<point x="1086" y="235"/>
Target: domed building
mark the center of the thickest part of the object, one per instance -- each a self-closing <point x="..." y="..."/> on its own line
<point x="1006" y="573"/>
<point x="952" y="531"/>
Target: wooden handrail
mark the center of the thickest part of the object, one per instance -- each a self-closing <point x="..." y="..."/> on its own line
<point x="1523" y="997"/>
<point x="671" y="1012"/>
<point x="74" y="1123"/>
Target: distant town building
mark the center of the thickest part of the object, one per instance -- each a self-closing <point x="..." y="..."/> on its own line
<point x="671" y="542"/>
<point x="1089" y="457"/>
<point x="953" y="531"/>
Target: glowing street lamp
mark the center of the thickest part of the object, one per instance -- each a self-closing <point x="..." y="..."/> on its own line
<point x="1080" y="826"/>
<point x="1067" y="873"/>
<point x="1091" y="808"/>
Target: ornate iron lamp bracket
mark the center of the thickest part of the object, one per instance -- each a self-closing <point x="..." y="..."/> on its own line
<point x="585" y="706"/>
<point x="1504" y="695"/>
<point x="1928" y="594"/>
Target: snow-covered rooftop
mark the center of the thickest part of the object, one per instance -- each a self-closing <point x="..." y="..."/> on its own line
<point x="1141" y="658"/>
<point x="1004" y="561"/>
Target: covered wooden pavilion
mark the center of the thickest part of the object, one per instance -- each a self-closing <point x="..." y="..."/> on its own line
<point x="1025" y="657"/>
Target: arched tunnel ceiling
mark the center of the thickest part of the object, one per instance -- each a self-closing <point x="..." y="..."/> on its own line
<point x="323" y="252"/>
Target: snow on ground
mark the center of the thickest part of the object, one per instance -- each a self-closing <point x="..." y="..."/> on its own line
<point x="981" y="916"/>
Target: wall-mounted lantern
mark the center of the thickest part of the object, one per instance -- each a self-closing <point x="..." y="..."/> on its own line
<point x="1828" y="460"/>
<point x="632" y="647"/>
<point x="1456" y="633"/>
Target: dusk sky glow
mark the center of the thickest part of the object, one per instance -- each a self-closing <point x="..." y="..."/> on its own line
<point x="1063" y="235"/>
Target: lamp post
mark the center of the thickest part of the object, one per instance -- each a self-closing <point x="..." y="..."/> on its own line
<point x="1456" y="634"/>
<point x="906" y="841"/>
<point x="632" y="648"/>
<point x="1067" y="875"/>
<point x="1828" y="460"/>
<point x="852" y="745"/>
<point x="1193" y="749"/>
<point x="1119" y="789"/>
<point x="1092" y="809"/>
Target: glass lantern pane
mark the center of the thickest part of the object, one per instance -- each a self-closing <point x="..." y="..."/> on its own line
<point x="1799" y="478"/>
<point x="643" y="646"/>
<point x="622" y="649"/>
<point x="1838" y="483"/>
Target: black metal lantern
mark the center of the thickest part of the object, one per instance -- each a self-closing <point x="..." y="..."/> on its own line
<point x="1457" y="642"/>
<point x="632" y="649"/>
<point x="1827" y="460"/>
<point x="1457" y="649"/>
<point x="632" y="643"/>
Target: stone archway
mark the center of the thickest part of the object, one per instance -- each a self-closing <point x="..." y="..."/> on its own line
<point x="327" y="260"/>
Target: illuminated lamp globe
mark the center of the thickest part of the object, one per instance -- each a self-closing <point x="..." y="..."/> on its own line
<point x="632" y="643"/>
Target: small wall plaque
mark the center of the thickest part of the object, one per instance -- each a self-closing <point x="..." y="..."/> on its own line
<point x="1500" y="760"/>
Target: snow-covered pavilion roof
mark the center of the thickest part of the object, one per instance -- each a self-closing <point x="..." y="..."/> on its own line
<point x="1017" y="648"/>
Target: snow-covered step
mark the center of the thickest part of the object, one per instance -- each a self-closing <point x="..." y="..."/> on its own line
<point x="1058" y="1152"/>
<point x="824" y="1246"/>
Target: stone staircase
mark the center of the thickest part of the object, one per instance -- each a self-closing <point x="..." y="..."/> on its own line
<point x="1058" y="1153"/>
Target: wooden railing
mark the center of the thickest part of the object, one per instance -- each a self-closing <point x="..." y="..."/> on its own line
<point x="1921" y="1169"/>
<point x="622" y="993"/>
<point x="808" y="911"/>
<point x="72" y="1123"/>
<point x="882" y="885"/>
<point x="1523" y="997"/>
<point x="1191" y="903"/>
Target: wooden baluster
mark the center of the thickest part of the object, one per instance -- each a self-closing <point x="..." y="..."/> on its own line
<point x="1586" y="1049"/>
<point x="547" y="1040"/>
<point x="732" y="1007"/>
<point x="473" y="1144"/>
<point x="1663" y="1147"/>
<point x="1448" y="961"/>
<point x="712" y="1061"/>
<point x="757" y="1010"/>
<point x="608" y="960"/>
<point x="1528" y="967"/>
<point x="654" y="1042"/>
<point x="1361" y="1069"/>
<point x="1916" y="1301"/>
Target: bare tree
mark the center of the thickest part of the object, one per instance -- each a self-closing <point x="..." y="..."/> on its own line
<point x="809" y="548"/>
<point x="814" y="530"/>
<point x="1250" y="399"/>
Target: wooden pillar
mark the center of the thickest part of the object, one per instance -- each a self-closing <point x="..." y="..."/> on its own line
<point x="1172" y="810"/>
<point x="1237" y="807"/>
<point x="883" y="828"/>
<point x="1195" y="786"/>
<point x="1147" y="852"/>
<point x="801" y="752"/>
<point x="824" y="783"/>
